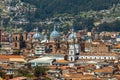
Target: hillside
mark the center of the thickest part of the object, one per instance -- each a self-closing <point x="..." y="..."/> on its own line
<point x="48" y="8"/>
<point x="80" y="14"/>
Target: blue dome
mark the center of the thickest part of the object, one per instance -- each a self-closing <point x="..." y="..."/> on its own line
<point x="36" y="36"/>
<point x="118" y="37"/>
<point x="54" y="34"/>
<point x="72" y="35"/>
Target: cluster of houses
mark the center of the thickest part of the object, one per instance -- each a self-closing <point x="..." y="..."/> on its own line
<point x="76" y="55"/>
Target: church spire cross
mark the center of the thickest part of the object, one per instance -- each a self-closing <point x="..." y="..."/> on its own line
<point x="36" y="30"/>
<point x="54" y="27"/>
<point x="72" y="30"/>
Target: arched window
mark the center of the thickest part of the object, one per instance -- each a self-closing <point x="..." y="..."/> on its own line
<point x="15" y="44"/>
<point x="104" y="57"/>
<point x="16" y="38"/>
<point x="71" y="58"/>
<point x="71" y="52"/>
<point x="95" y="57"/>
<point x="21" y="38"/>
<point x="50" y="46"/>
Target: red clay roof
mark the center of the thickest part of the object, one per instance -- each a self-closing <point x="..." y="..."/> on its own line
<point x="19" y="78"/>
<point x="105" y="69"/>
<point x="10" y="56"/>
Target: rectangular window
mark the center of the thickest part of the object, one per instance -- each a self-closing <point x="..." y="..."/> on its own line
<point x="72" y="53"/>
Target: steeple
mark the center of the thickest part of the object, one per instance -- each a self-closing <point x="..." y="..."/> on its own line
<point x="72" y="30"/>
<point x="54" y="28"/>
<point x="74" y="48"/>
<point x="36" y="30"/>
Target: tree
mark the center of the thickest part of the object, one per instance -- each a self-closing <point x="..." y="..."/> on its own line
<point x="2" y="74"/>
<point x="48" y="8"/>
<point x="25" y="71"/>
<point x="39" y="71"/>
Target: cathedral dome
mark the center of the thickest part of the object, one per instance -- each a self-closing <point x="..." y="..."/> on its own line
<point x="37" y="35"/>
<point x="54" y="34"/>
<point x="72" y="36"/>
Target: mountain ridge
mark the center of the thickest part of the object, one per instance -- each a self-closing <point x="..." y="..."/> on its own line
<point x="47" y="8"/>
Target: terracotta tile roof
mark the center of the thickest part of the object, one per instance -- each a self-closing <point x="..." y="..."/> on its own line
<point x="105" y="69"/>
<point x="52" y="67"/>
<point x="3" y="65"/>
<point x="14" y="58"/>
<point x="63" y="67"/>
<point x="117" y="46"/>
<point x="79" y="77"/>
<point x="10" y="56"/>
<point x="19" y="78"/>
<point x="119" y="66"/>
<point x="17" y="60"/>
<point x="72" y="70"/>
<point x="1" y="78"/>
<point x="80" y="70"/>
<point x="6" y="66"/>
<point x="117" y="76"/>
<point x="72" y="75"/>
<point x="62" y="61"/>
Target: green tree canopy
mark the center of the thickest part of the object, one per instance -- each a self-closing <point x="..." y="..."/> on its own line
<point x="40" y="70"/>
<point x="2" y="74"/>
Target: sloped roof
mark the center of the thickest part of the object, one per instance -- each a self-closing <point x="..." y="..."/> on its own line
<point x="42" y="60"/>
<point x="1" y="78"/>
<point x="62" y="61"/>
<point x="19" y="78"/>
<point x="117" y="46"/>
<point x="17" y="60"/>
<point x="10" y="56"/>
<point x="79" y="77"/>
<point x="105" y="69"/>
<point x="14" y="58"/>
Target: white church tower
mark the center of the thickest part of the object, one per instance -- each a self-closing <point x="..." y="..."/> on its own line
<point x="74" y="47"/>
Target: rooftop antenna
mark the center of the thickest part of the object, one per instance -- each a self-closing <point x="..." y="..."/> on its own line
<point x="72" y="30"/>
<point x="36" y="29"/>
<point x="58" y="26"/>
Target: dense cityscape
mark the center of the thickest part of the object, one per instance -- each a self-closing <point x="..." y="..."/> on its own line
<point x="57" y="52"/>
